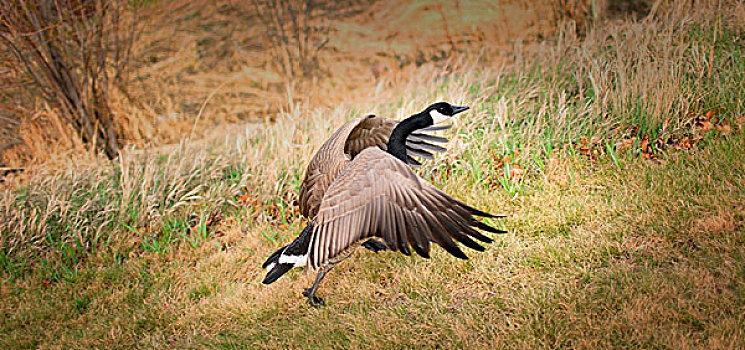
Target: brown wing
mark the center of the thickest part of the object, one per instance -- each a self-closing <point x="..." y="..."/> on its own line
<point x="378" y="195"/>
<point x="375" y="131"/>
<point x="323" y="168"/>
<point x="371" y="131"/>
<point x="348" y="141"/>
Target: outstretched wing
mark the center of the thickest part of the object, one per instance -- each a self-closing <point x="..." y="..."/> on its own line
<point x="378" y="195"/>
<point x="346" y="143"/>
<point x="328" y="161"/>
<point x="371" y="131"/>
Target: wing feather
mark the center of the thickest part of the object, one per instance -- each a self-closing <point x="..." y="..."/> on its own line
<point x="402" y="234"/>
<point x="419" y="153"/>
<point x="438" y="127"/>
<point x="422" y="237"/>
<point x="326" y="164"/>
<point x="378" y="195"/>
<point x="420" y="137"/>
<point x="423" y="146"/>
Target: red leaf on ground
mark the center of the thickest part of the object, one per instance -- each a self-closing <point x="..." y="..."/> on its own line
<point x="724" y="129"/>
<point x="244" y="199"/>
<point x="516" y="173"/>
<point x="645" y="146"/>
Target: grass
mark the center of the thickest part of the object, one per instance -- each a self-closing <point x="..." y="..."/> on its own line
<point x="606" y="249"/>
<point x="650" y="256"/>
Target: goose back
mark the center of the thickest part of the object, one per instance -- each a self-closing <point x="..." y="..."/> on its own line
<point x="369" y="132"/>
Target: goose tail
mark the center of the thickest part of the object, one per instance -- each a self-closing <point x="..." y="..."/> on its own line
<point x="274" y="267"/>
<point x="292" y="255"/>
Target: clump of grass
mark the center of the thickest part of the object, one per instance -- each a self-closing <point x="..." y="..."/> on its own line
<point x="146" y="201"/>
<point x="585" y="96"/>
<point x="104" y="207"/>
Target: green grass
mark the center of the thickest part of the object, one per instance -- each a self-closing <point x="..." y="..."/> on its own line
<point x="648" y="256"/>
<point x="605" y="248"/>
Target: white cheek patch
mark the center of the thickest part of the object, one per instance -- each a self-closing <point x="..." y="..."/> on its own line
<point x="437" y="117"/>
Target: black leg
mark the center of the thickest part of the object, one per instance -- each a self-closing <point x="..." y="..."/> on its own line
<point x="310" y="292"/>
<point x="374" y="245"/>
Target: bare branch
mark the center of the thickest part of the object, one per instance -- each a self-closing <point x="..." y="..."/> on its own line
<point x="68" y="49"/>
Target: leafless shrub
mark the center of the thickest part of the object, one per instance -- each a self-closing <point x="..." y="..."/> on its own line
<point x="296" y="33"/>
<point x="585" y="13"/>
<point x="70" y="53"/>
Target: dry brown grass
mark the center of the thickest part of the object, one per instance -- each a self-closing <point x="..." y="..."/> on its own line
<point x="581" y="268"/>
<point x="202" y="64"/>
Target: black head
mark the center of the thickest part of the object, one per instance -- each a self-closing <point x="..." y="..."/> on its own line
<point x="441" y="111"/>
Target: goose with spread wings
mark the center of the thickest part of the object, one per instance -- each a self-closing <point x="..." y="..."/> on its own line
<point x="359" y="186"/>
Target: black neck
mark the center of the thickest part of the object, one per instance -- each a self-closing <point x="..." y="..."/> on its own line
<point x="397" y="140"/>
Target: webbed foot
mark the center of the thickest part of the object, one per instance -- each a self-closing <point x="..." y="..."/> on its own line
<point x="312" y="299"/>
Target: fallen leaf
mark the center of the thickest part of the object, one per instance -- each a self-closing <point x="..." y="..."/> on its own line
<point x="647" y="151"/>
<point x="516" y="173"/>
<point x="724" y="129"/>
<point x="634" y="129"/>
<point x="685" y="143"/>
<point x="625" y="144"/>
<point x="644" y="144"/>
<point x="706" y="125"/>
<point x="244" y="199"/>
<point x="214" y="218"/>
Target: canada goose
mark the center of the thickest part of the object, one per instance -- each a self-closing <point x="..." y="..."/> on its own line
<point x="354" y="191"/>
<point x="351" y="139"/>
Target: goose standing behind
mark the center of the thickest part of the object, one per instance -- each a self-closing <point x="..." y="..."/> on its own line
<point x="359" y="185"/>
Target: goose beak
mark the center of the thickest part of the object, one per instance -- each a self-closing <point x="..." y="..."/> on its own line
<point x="458" y="109"/>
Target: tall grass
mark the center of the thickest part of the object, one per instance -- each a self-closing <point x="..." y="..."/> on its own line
<point x="86" y="209"/>
<point x="620" y="81"/>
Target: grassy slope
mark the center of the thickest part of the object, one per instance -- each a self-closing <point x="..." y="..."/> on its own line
<point x="616" y="251"/>
<point x="648" y="256"/>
